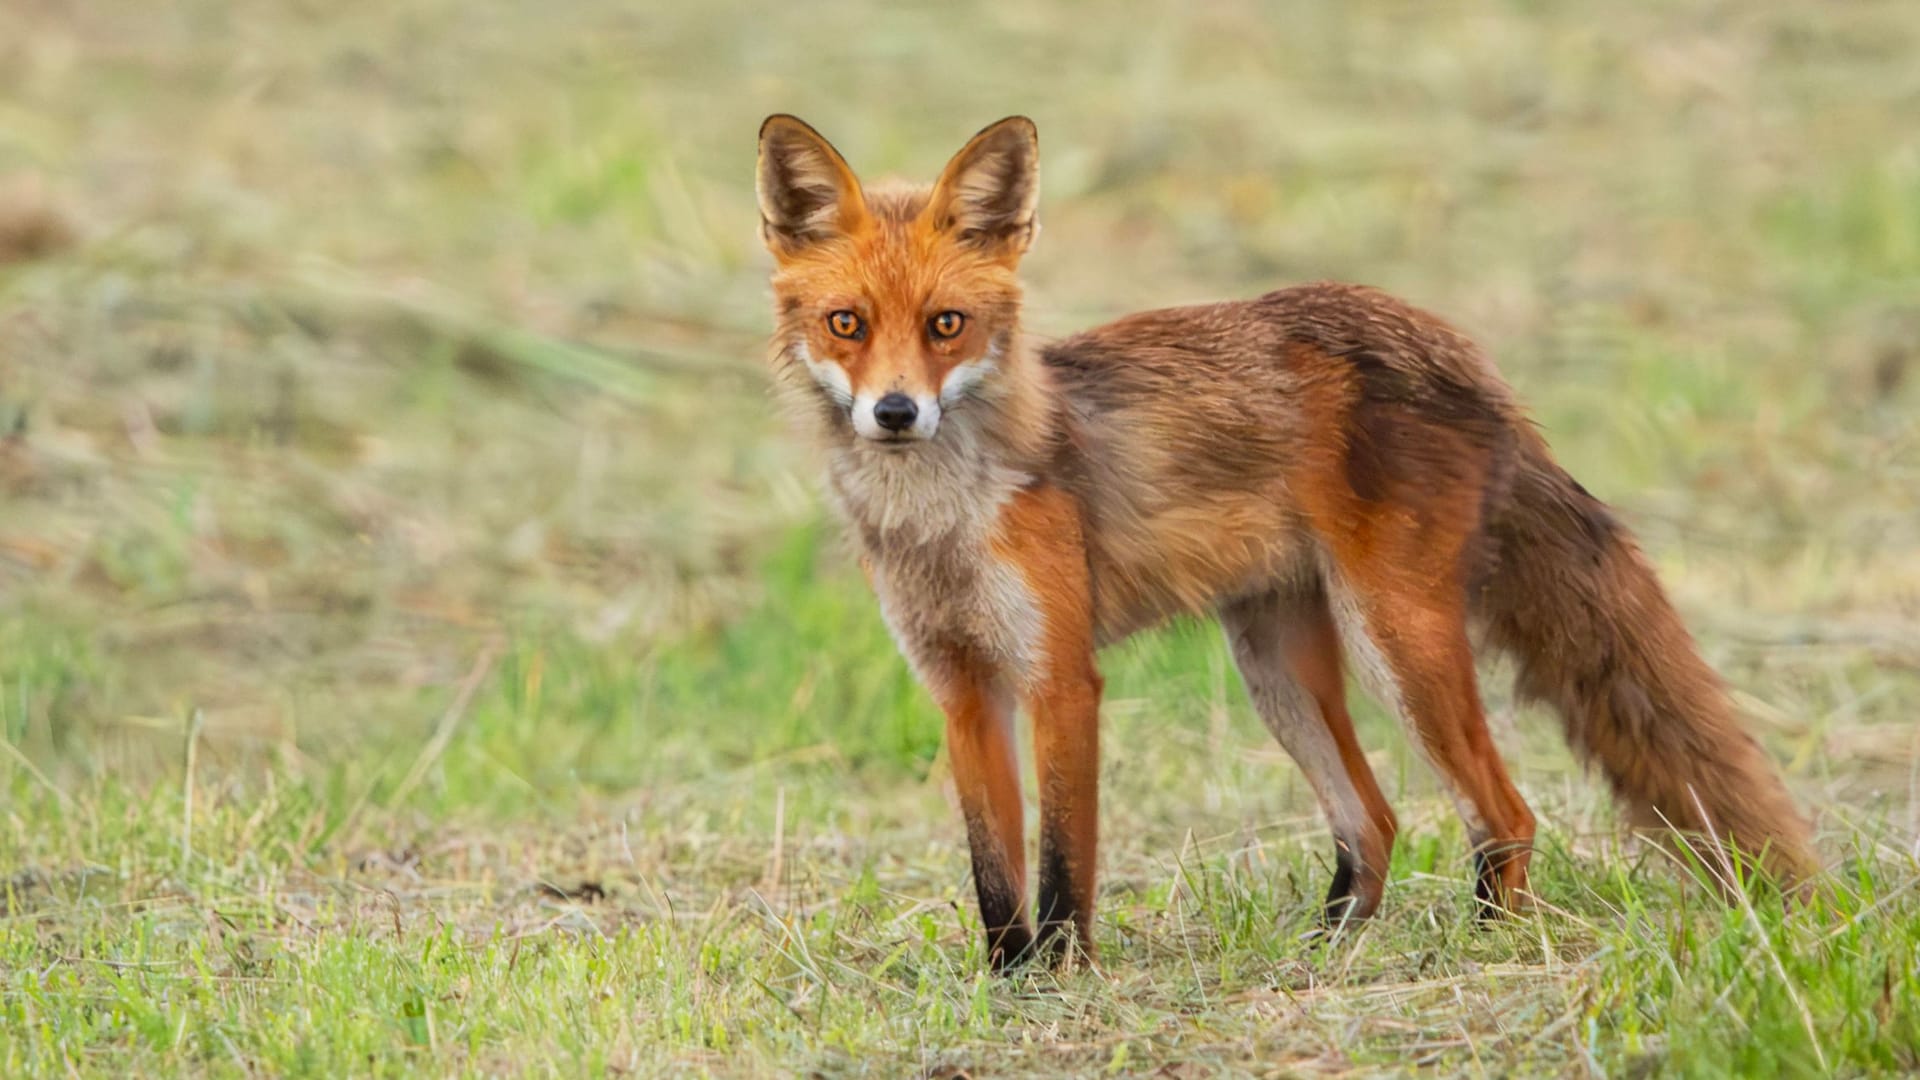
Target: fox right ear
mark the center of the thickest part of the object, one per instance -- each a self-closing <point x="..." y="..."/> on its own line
<point x="807" y="192"/>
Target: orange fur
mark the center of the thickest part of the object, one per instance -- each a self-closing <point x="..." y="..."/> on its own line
<point x="1343" y="478"/>
<point x="986" y="774"/>
<point x="1039" y="532"/>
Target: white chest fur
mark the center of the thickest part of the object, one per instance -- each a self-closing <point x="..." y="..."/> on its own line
<point x="973" y="609"/>
<point x="927" y="523"/>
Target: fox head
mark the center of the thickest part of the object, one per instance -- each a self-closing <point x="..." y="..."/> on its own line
<point x="900" y="304"/>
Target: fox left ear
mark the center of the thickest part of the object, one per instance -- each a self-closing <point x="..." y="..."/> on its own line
<point x="988" y="193"/>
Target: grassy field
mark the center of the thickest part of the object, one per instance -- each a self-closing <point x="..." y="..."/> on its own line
<point x="423" y="650"/>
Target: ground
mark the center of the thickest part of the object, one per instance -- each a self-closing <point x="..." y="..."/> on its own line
<point x="424" y="650"/>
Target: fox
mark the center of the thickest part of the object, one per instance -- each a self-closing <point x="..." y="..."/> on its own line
<point x="1343" y="480"/>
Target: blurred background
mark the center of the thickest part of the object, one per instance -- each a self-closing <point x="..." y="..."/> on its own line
<point x="385" y="443"/>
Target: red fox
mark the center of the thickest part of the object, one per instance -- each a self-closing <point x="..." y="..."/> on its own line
<point x="1343" y="479"/>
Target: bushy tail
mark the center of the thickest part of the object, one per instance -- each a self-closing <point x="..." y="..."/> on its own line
<point x="1574" y="602"/>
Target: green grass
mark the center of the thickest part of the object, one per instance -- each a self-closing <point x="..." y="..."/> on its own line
<point x="423" y="650"/>
<point x="784" y="886"/>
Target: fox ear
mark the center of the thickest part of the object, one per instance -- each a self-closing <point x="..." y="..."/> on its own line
<point x="988" y="193"/>
<point x="807" y="192"/>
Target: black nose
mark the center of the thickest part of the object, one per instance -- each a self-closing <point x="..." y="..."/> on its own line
<point x="895" y="412"/>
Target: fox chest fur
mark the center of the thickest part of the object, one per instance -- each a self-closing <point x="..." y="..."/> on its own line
<point x="930" y="532"/>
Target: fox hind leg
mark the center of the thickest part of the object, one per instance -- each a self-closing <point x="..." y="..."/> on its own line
<point x="1288" y="653"/>
<point x="1413" y="654"/>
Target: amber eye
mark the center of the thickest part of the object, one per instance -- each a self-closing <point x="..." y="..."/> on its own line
<point x="847" y="325"/>
<point x="946" y="324"/>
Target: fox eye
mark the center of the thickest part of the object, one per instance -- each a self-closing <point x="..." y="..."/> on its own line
<point x="845" y="324"/>
<point x="947" y="324"/>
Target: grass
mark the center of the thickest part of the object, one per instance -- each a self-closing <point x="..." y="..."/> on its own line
<point x="422" y="650"/>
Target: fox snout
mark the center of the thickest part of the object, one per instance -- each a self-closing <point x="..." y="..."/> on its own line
<point x="895" y="412"/>
<point x="896" y="416"/>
